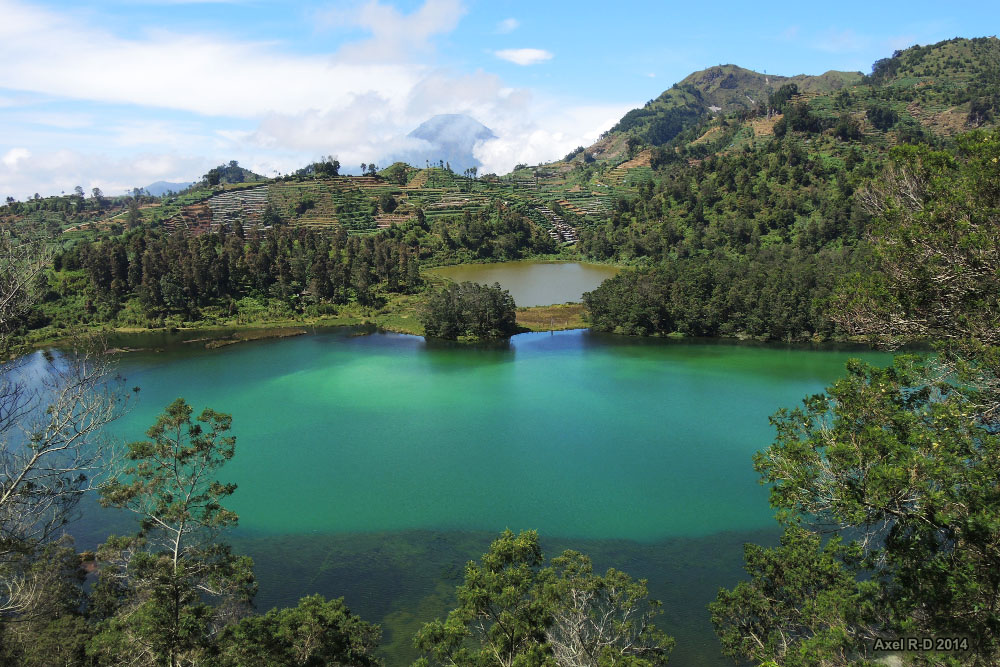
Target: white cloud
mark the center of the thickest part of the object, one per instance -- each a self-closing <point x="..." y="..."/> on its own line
<point x="557" y="130"/>
<point x="508" y="26"/>
<point x="63" y="121"/>
<point x="163" y="135"/>
<point x="394" y="35"/>
<point x="13" y="156"/>
<point x="374" y="126"/>
<point x="271" y="109"/>
<point x="59" y="171"/>
<point x="54" y="53"/>
<point x="524" y="56"/>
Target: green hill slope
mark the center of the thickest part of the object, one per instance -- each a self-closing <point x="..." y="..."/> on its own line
<point x="725" y="89"/>
<point x="945" y="87"/>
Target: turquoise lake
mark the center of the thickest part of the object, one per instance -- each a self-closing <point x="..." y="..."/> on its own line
<point x="374" y="466"/>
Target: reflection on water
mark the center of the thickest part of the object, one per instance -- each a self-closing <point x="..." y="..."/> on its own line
<point x="573" y="434"/>
<point x="534" y="283"/>
<point x="374" y="466"/>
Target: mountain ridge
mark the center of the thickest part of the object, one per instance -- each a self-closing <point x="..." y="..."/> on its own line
<point x="967" y="73"/>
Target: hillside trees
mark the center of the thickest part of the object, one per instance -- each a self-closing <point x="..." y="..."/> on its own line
<point x="772" y="294"/>
<point x="328" y="167"/>
<point x="52" y="412"/>
<point x="747" y="242"/>
<point x="315" y="632"/>
<point x="900" y="462"/>
<point x="513" y="611"/>
<point x="229" y="173"/>
<point x="154" y="275"/>
<point x="163" y="575"/>
<point x="497" y="233"/>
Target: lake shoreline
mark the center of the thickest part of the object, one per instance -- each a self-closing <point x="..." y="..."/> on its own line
<point x="532" y="319"/>
<point x="395" y="457"/>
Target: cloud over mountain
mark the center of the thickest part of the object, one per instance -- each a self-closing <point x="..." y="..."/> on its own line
<point x="448" y="137"/>
<point x="78" y="96"/>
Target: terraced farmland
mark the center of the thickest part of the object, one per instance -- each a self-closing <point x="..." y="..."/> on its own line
<point x="554" y="200"/>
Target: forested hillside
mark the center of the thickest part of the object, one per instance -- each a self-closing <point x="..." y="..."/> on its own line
<point x="746" y="222"/>
<point x="734" y="195"/>
<point x="744" y="205"/>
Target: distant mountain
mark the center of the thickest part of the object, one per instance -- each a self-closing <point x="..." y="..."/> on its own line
<point x="161" y="188"/>
<point x="447" y="137"/>
<point x="724" y="89"/>
<point x="943" y="88"/>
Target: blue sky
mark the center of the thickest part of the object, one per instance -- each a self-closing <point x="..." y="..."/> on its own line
<point x="121" y="94"/>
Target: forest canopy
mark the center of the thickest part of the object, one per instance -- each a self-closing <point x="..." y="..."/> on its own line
<point x="470" y="310"/>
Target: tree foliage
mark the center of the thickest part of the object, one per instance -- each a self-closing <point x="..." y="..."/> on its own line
<point x="315" y="632"/>
<point x="174" y="593"/>
<point x="937" y="241"/>
<point x="749" y="241"/>
<point x="777" y="294"/>
<point x="146" y="276"/>
<point x="901" y="463"/>
<point x="471" y="310"/>
<point x="51" y="445"/>
<point x="167" y="571"/>
<point x="513" y="611"/>
<point x="802" y="605"/>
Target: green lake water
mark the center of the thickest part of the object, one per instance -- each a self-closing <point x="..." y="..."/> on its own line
<point x="374" y="466"/>
<point x="534" y="283"/>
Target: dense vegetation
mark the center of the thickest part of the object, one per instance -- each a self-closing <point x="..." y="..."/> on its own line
<point x="777" y="294"/>
<point x="494" y="233"/>
<point x="900" y="464"/>
<point x="513" y="611"/>
<point x="745" y="243"/>
<point x="749" y="219"/>
<point x="147" y="277"/>
<point x="738" y="208"/>
<point x="150" y="276"/>
<point x="232" y="173"/>
<point x="835" y="206"/>
<point x="470" y="310"/>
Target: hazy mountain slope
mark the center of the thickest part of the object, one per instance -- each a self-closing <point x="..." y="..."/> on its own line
<point x="448" y="138"/>
<point x="160" y="188"/>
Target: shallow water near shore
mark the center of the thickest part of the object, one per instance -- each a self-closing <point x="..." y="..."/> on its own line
<point x="374" y="466"/>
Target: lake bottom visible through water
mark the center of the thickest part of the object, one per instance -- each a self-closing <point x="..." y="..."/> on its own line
<point x="403" y="579"/>
<point x="375" y="466"/>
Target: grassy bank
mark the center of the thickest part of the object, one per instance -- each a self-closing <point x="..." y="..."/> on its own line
<point x="398" y="314"/>
<point x="552" y="318"/>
